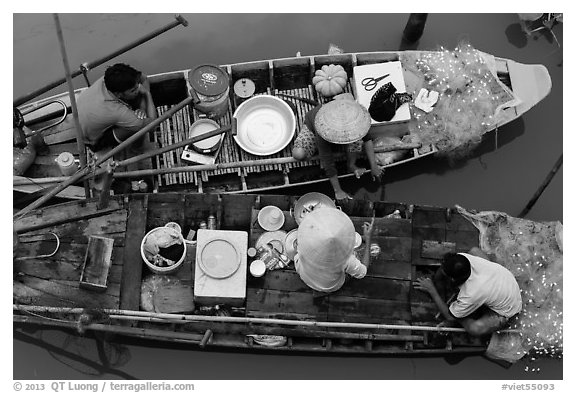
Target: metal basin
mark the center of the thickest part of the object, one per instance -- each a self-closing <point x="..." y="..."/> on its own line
<point x="266" y="125"/>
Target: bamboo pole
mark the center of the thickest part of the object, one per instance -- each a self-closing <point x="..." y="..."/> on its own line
<point x="179" y="21"/>
<point x="542" y="187"/>
<point x="209" y="318"/>
<point x="196" y="168"/>
<point x="174" y="146"/>
<point x="100" y="327"/>
<point x="86" y="171"/>
<point x="240" y="164"/>
<point x="78" y="127"/>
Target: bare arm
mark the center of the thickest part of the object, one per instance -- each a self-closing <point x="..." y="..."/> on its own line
<point x="368" y="229"/>
<point x="374" y="168"/>
<point x="148" y="102"/>
<point x="425" y="284"/>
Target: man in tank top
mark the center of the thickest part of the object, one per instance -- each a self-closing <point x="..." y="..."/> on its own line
<point x="488" y="292"/>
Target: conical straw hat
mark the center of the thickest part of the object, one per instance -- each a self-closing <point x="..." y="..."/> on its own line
<point x="326" y="239"/>
<point x="342" y="121"/>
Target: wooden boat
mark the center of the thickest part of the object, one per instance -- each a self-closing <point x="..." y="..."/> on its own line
<point x="235" y="169"/>
<point x="380" y="314"/>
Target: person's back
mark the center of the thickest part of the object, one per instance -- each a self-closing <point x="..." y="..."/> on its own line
<point x="326" y="239"/>
<point x="491" y="285"/>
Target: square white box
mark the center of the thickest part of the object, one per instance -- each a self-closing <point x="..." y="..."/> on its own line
<point x="229" y="290"/>
<point x="363" y="96"/>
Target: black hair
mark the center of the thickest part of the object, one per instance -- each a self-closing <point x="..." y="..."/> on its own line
<point x="121" y="77"/>
<point x="457" y="267"/>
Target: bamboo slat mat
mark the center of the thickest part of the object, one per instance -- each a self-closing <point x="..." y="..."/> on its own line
<point x="175" y="129"/>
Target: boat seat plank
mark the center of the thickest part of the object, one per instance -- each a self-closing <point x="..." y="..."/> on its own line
<point x="419" y="236"/>
<point x="236" y="210"/>
<point x="458" y="222"/>
<point x="281" y="280"/>
<point x="67" y="252"/>
<point x="285" y="304"/>
<point x="66" y="212"/>
<point x="436" y="250"/>
<point x="464" y="240"/>
<point x="374" y="288"/>
<point x="355" y="309"/>
<point x="429" y="217"/>
<point x="56" y="149"/>
<point x="398" y="227"/>
<point x="424" y="312"/>
<point x="111" y="225"/>
<point x="39" y="170"/>
<point x="68" y="293"/>
<point x="132" y="267"/>
<point x="63" y="132"/>
<point x="62" y="269"/>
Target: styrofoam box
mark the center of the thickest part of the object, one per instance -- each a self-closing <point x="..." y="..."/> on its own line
<point x="229" y="290"/>
<point x="363" y="96"/>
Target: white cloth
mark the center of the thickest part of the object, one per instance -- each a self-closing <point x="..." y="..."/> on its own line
<point x="353" y="267"/>
<point x="489" y="284"/>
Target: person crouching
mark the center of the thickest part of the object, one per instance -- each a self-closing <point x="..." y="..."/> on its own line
<point x="488" y="293"/>
<point x="341" y="121"/>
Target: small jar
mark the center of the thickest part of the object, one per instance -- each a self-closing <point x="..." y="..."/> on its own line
<point x="271" y="257"/>
<point x="211" y="222"/>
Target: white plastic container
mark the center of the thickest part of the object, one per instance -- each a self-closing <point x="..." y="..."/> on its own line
<point x="66" y="163"/>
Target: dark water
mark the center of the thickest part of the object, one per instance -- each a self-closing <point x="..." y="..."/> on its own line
<point x="502" y="174"/>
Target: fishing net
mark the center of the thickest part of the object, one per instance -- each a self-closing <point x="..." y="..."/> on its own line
<point x="470" y="102"/>
<point x="533" y="252"/>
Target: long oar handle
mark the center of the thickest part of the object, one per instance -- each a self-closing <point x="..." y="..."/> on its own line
<point x="179" y="20"/>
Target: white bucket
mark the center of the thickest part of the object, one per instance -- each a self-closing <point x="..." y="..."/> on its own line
<point x="163" y="269"/>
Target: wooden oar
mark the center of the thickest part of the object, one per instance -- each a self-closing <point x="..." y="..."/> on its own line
<point x="179" y="21"/>
<point x="78" y="127"/>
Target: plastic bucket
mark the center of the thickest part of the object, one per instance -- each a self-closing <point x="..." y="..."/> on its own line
<point x="66" y="163"/>
<point x="211" y="85"/>
<point x="163" y="269"/>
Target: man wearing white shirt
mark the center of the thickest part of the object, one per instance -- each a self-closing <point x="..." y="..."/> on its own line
<point x="481" y="283"/>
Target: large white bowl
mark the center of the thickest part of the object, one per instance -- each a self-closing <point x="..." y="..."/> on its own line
<point x="266" y="125"/>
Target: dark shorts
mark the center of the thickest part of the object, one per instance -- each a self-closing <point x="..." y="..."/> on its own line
<point x="106" y="141"/>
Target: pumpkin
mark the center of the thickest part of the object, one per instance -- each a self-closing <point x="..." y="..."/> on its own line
<point x="330" y="80"/>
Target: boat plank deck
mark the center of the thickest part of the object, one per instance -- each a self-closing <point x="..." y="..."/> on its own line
<point x="132" y="266"/>
<point x="55" y="279"/>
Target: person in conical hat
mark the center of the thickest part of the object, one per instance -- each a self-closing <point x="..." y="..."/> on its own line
<point x="341" y="121"/>
<point x="326" y="239"/>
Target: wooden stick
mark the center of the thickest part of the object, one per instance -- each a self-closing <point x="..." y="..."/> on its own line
<point x="78" y="127"/>
<point x="242" y="164"/>
<point x="542" y="187"/>
<point x="141" y="332"/>
<point x="179" y="21"/>
<point x="209" y="318"/>
<point x="164" y="149"/>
